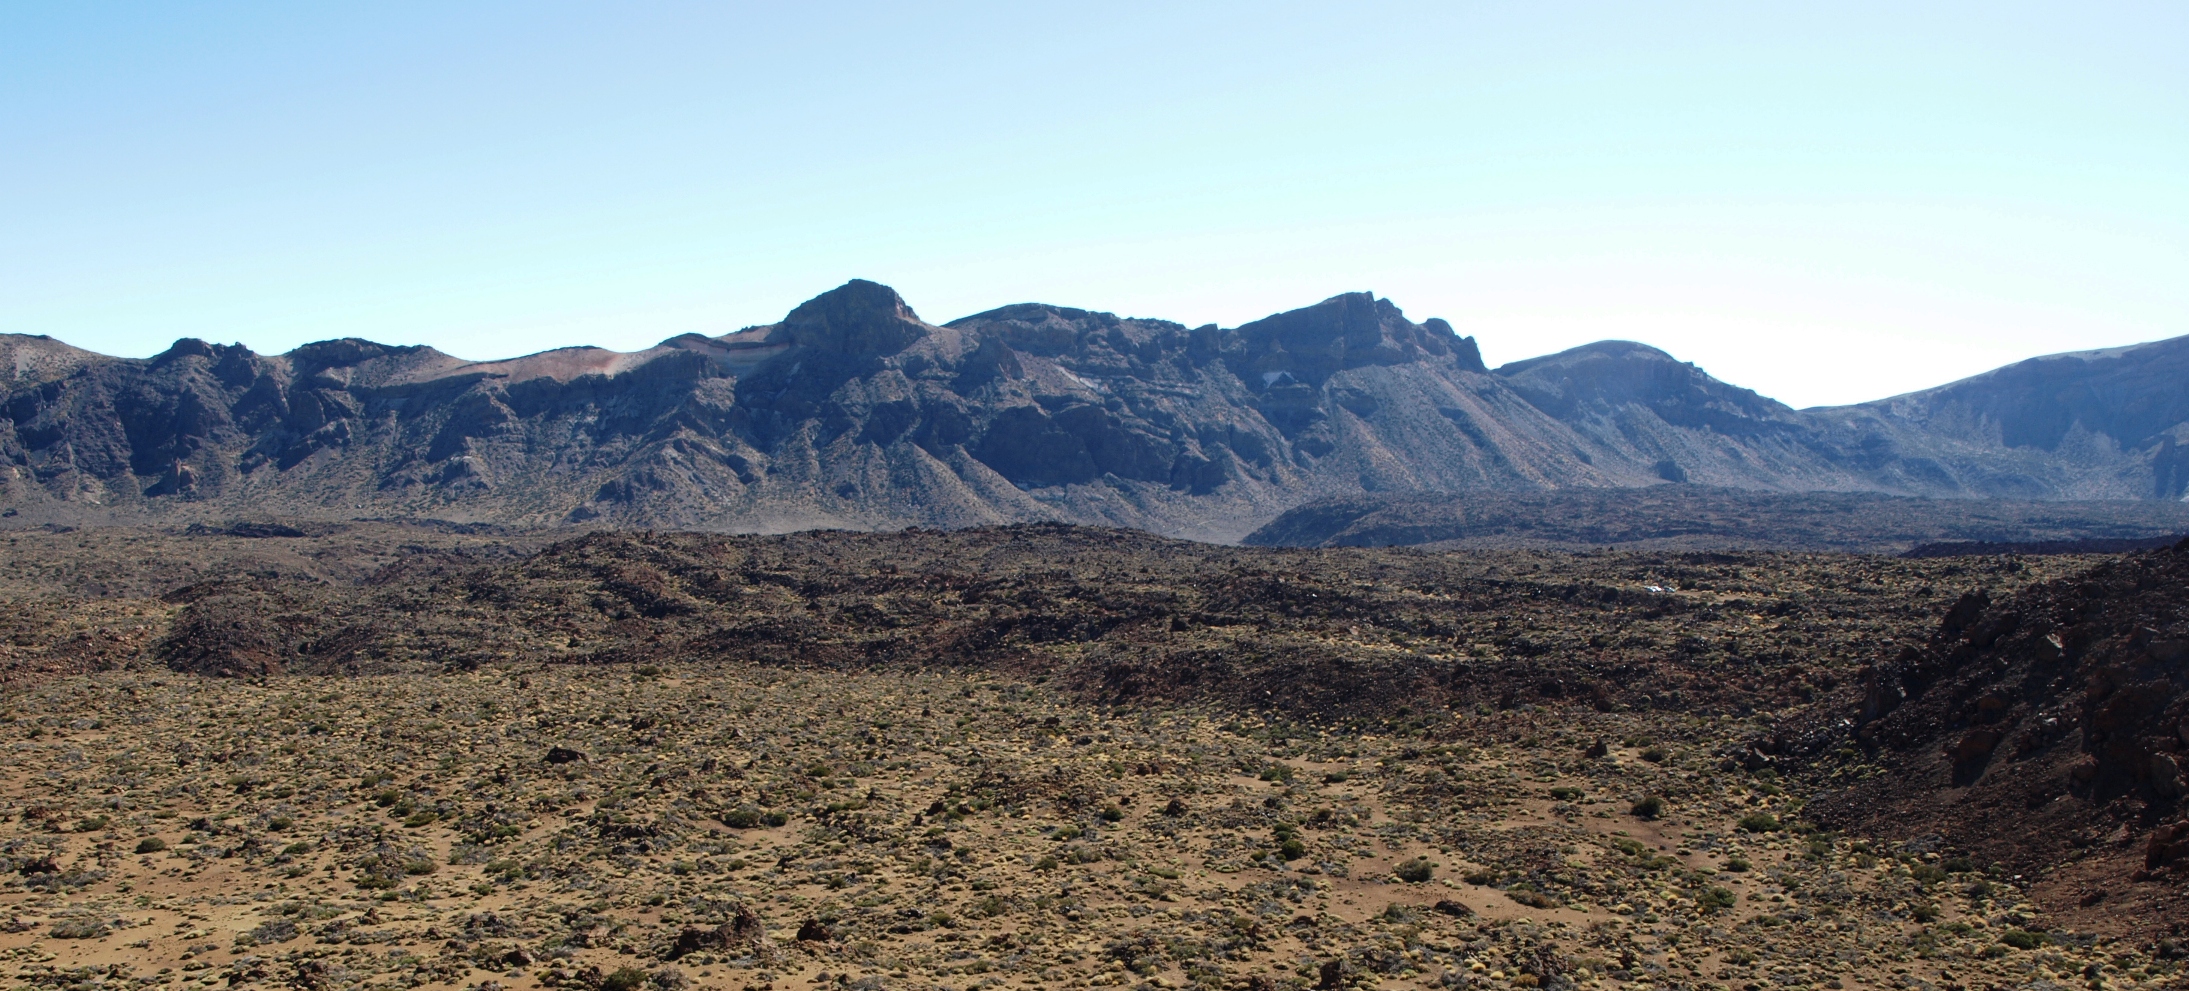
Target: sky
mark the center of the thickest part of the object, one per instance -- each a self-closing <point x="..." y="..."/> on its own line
<point x="1828" y="203"/>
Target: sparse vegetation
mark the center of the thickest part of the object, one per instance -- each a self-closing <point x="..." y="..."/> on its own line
<point x="768" y="806"/>
<point x="1758" y="822"/>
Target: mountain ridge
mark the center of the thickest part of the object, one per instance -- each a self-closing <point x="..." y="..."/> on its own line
<point x="854" y="412"/>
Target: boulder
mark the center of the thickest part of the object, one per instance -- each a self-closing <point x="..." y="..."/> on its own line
<point x="2165" y="775"/>
<point x="2168" y="844"/>
<point x="1975" y="745"/>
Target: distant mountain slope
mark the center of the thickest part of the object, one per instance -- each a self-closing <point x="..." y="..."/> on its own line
<point x="2101" y="424"/>
<point x="2110" y="424"/>
<point x="1658" y="418"/>
<point x="854" y="412"/>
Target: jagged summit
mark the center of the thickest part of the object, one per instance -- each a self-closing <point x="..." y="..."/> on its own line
<point x="858" y="317"/>
<point x="854" y="412"/>
<point x="1353" y="330"/>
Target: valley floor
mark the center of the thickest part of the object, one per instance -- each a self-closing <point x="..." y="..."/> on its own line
<point x="613" y="827"/>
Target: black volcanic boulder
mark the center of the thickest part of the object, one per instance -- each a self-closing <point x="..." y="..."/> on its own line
<point x="742" y="932"/>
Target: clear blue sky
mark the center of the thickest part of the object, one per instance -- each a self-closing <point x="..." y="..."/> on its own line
<point x="1825" y="202"/>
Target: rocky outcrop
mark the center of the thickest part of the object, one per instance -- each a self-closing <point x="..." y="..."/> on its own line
<point x="2031" y="728"/>
<point x="861" y="318"/>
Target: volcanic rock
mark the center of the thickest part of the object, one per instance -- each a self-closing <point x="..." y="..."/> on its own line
<point x="853" y="412"/>
<point x="2027" y="726"/>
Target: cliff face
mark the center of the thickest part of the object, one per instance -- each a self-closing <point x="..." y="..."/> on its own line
<point x="854" y="412"/>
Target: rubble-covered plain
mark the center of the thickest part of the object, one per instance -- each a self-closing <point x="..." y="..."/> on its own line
<point x="560" y="827"/>
<point x="605" y="805"/>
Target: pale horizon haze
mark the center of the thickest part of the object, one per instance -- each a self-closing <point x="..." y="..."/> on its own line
<point x="1825" y="203"/>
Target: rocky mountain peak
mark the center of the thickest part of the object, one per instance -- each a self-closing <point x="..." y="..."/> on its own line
<point x="858" y="317"/>
<point x="1350" y="330"/>
<point x="1606" y="375"/>
<point x="191" y="347"/>
<point x="1063" y="331"/>
<point x="340" y="353"/>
